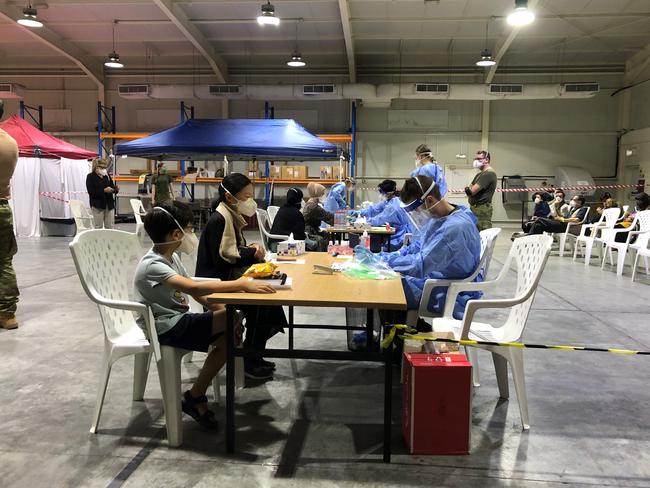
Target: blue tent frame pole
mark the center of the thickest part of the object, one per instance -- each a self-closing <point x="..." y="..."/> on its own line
<point x="267" y="193"/>
<point x="182" y="162"/>
<point x="353" y="149"/>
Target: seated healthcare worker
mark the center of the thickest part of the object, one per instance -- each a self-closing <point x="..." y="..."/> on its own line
<point x="223" y="253"/>
<point x="425" y="165"/>
<point x="388" y="210"/>
<point x="449" y="248"/>
<point x="335" y="200"/>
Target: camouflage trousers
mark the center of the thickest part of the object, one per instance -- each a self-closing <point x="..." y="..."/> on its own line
<point x="8" y="247"/>
<point x="483" y="213"/>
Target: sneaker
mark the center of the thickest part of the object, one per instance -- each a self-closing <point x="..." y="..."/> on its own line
<point x="267" y="364"/>
<point x="8" y="321"/>
<point x="258" y="372"/>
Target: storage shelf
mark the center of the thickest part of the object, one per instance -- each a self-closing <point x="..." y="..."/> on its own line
<point x="214" y="181"/>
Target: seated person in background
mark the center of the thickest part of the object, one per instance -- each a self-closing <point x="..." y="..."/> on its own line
<point x="604" y="198"/>
<point x="336" y="197"/>
<point x="388" y="211"/>
<point x="161" y="282"/>
<point x="314" y="214"/>
<point x="289" y="220"/>
<point x="541" y="210"/>
<point x="450" y="247"/>
<point x="558" y="207"/>
<point x="642" y="202"/>
<point x="224" y="254"/>
<point x="559" y="224"/>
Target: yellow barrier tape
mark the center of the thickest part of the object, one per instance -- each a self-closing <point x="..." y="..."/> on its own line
<point x="390" y="337"/>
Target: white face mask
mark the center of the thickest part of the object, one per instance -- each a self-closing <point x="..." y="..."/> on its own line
<point x="189" y="243"/>
<point x="418" y="163"/>
<point x="477" y="164"/>
<point x="245" y="207"/>
<point x="538" y="200"/>
<point x="102" y="172"/>
<point x="558" y="199"/>
<point x="322" y="199"/>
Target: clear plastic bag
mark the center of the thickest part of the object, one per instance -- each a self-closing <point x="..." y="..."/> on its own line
<point x="368" y="266"/>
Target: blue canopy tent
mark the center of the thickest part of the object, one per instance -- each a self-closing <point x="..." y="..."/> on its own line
<point x="212" y="139"/>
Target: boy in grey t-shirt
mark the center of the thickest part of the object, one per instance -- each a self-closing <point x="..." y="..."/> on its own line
<point x="161" y="282"/>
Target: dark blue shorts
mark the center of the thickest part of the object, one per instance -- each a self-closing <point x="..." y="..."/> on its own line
<point x="193" y="332"/>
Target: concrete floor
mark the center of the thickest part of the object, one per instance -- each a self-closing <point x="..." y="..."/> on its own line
<point x="319" y="423"/>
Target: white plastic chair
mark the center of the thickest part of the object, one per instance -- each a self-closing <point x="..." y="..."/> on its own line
<point x="272" y="211"/>
<point x="530" y="254"/>
<point x="265" y="230"/>
<point x="599" y="233"/>
<point x="644" y="253"/>
<point x="102" y="257"/>
<point x="567" y="233"/>
<point x="138" y="212"/>
<point x="83" y="218"/>
<point x="642" y="219"/>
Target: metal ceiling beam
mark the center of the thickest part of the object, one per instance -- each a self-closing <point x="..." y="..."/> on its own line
<point x="505" y="45"/>
<point x="344" y="8"/>
<point x="93" y="69"/>
<point x="637" y="64"/>
<point x="190" y="31"/>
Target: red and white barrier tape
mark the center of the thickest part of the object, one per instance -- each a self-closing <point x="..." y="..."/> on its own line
<point x="547" y="189"/>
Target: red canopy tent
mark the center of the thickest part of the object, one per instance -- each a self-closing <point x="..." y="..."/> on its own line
<point x="31" y="140"/>
<point x="49" y="173"/>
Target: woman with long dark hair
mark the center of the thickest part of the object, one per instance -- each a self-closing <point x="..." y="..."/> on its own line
<point x="223" y="253"/>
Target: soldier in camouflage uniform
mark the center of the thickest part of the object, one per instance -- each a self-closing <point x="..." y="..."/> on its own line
<point x="481" y="190"/>
<point x="8" y="286"/>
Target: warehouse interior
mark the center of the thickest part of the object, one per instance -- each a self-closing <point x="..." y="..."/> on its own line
<point x="570" y="89"/>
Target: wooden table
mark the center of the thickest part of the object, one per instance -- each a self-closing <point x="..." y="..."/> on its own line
<point x="377" y="231"/>
<point x="313" y="290"/>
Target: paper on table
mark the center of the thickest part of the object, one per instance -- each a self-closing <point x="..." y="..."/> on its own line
<point x="276" y="283"/>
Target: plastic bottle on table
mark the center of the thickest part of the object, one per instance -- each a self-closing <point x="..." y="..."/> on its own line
<point x="365" y="240"/>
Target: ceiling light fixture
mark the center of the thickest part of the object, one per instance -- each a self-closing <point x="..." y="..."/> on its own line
<point x="29" y="17"/>
<point x="296" y="59"/>
<point x="113" y="60"/>
<point x="486" y="55"/>
<point x="267" y="17"/>
<point x="521" y="16"/>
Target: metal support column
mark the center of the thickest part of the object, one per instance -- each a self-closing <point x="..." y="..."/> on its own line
<point x="267" y="193"/>
<point x="353" y="149"/>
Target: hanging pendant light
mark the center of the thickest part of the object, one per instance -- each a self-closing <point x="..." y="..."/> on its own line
<point x="29" y="17"/>
<point x="521" y="15"/>
<point x="296" y="59"/>
<point x="486" y="55"/>
<point x="267" y="17"/>
<point x="113" y="60"/>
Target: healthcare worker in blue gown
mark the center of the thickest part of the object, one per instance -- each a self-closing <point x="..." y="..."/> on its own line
<point x="425" y="165"/>
<point x="449" y="247"/>
<point x="388" y="210"/>
<point x="335" y="200"/>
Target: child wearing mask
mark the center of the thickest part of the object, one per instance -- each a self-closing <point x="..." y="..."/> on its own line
<point x="162" y="283"/>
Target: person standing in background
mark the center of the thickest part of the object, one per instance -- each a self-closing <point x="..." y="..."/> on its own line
<point x="425" y="165"/>
<point x="8" y="247"/>
<point x="101" y="190"/>
<point x="481" y="190"/>
<point x="336" y="198"/>
<point x="162" y="190"/>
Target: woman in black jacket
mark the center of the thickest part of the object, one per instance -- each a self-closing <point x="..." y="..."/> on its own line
<point x="223" y="253"/>
<point x="289" y="220"/>
<point x="101" y="190"/>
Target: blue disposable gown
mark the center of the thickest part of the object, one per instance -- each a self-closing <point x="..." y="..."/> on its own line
<point x="374" y="209"/>
<point x="434" y="171"/>
<point x="336" y="198"/>
<point x="394" y="214"/>
<point x="450" y="248"/>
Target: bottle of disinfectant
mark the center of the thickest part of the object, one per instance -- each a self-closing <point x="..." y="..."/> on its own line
<point x="365" y="240"/>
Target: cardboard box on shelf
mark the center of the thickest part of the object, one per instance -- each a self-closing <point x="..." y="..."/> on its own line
<point x="138" y="172"/>
<point x="287" y="172"/>
<point x="300" y="172"/>
<point x="325" y="172"/>
<point x="338" y="172"/>
<point x="252" y="173"/>
<point x="275" y="171"/>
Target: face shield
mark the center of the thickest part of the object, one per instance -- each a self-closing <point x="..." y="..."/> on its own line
<point x="416" y="211"/>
